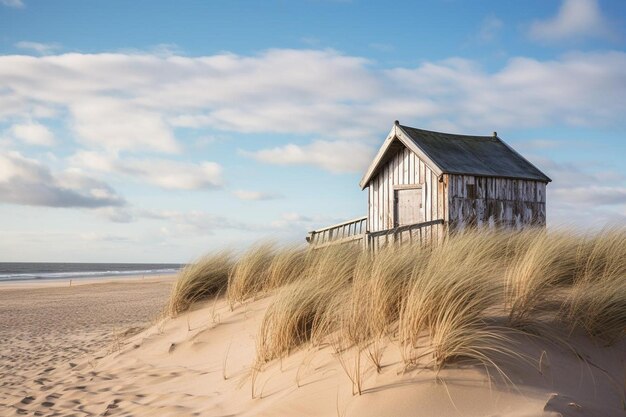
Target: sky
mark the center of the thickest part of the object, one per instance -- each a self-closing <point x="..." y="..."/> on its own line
<point x="156" y="131"/>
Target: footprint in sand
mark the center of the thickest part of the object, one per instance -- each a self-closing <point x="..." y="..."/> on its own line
<point x="28" y="400"/>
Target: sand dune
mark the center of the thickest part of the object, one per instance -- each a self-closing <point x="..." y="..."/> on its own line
<point x="200" y="363"/>
<point x="485" y="324"/>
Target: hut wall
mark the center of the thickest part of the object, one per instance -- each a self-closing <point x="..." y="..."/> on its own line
<point x="404" y="168"/>
<point x="495" y="202"/>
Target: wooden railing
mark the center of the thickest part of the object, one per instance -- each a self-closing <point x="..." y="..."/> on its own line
<point x="422" y="233"/>
<point x="350" y="231"/>
<point x="355" y="232"/>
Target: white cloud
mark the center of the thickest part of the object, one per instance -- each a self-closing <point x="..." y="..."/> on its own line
<point x="121" y="214"/>
<point x="578" y="197"/>
<point x="307" y="92"/>
<point x="12" y="3"/>
<point x="163" y="173"/>
<point x="32" y="133"/>
<point x="255" y="195"/>
<point x="334" y="156"/>
<point x="340" y="99"/>
<point x="103" y="237"/>
<point x="38" y="47"/>
<point x="576" y="19"/>
<point x="592" y="195"/>
<point x="195" y="221"/>
<point x="489" y="28"/>
<point x="578" y="89"/>
<point x="28" y="182"/>
<point x="293" y="220"/>
<point x="113" y="124"/>
<point x="174" y="174"/>
<point x="297" y="224"/>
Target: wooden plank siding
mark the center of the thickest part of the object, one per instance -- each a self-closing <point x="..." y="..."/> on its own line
<point x="460" y="200"/>
<point x="495" y="202"/>
<point x="404" y="168"/>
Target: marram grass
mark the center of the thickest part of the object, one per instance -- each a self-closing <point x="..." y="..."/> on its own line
<point x="200" y="280"/>
<point x="457" y="299"/>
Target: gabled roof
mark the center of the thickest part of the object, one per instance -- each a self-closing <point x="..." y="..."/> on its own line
<point x="446" y="153"/>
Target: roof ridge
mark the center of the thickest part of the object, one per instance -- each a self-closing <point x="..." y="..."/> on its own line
<point x="448" y="134"/>
<point x="451" y="153"/>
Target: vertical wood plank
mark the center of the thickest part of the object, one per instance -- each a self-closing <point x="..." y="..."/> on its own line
<point x="374" y="219"/>
<point x="429" y="192"/>
<point x="369" y="202"/>
<point x="435" y="197"/>
<point x="440" y="200"/>
<point x="390" y="182"/>
<point x="406" y="159"/>
<point x="385" y="197"/>
<point x="379" y="199"/>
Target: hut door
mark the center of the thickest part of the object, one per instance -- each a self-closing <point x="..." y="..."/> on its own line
<point x="408" y="206"/>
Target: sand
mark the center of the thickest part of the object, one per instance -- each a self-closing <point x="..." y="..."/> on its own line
<point x="46" y="327"/>
<point x="201" y="364"/>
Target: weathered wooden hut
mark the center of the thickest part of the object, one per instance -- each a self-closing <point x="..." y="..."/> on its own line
<point x="423" y="184"/>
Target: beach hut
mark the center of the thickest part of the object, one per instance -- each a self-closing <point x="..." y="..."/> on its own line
<point x="424" y="184"/>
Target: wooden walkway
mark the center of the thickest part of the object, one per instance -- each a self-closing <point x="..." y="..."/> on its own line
<point x="355" y="232"/>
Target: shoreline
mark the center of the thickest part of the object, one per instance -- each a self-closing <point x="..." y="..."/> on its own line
<point x="73" y="282"/>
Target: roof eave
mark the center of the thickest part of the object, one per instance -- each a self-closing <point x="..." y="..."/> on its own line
<point x="405" y="138"/>
<point x="510" y="177"/>
<point x="409" y="143"/>
<point x="547" y="179"/>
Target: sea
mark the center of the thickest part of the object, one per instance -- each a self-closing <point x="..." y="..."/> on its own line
<point x="37" y="271"/>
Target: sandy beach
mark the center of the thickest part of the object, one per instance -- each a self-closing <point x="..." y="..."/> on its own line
<point x="103" y="349"/>
<point x="202" y="364"/>
<point x="46" y="327"/>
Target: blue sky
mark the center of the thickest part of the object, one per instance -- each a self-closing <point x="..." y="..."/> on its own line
<point x="156" y="131"/>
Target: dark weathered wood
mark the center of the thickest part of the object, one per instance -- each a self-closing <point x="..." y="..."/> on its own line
<point x="495" y="202"/>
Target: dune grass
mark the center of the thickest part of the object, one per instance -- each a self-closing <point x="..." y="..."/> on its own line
<point x="448" y="298"/>
<point x="305" y="310"/>
<point x="597" y="302"/>
<point x="200" y="280"/>
<point x="251" y="271"/>
<point x="458" y="299"/>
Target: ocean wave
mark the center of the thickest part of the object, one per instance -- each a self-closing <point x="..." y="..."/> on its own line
<point x="26" y="276"/>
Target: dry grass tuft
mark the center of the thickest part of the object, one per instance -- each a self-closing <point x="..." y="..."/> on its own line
<point x="288" y="265"/>
<point x="304" y="310"/>
<point x="444" y="314"/>
<point x="546" y="265"/>
<point x="381" y="283"/>
<point x="250" y="273"/>
<point x="200" y="280"/>
<point x="458" y="299"/>
<point x="597" y="302"/>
